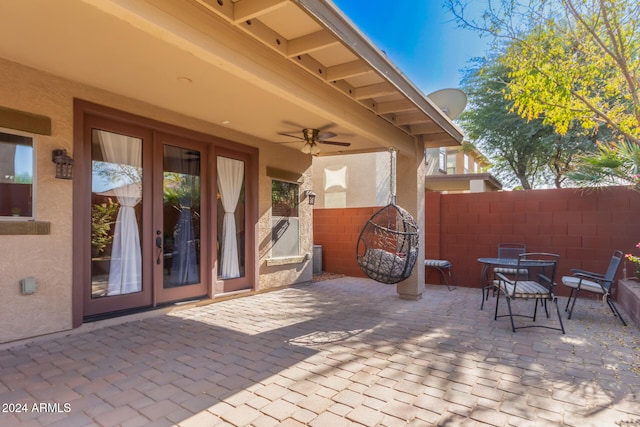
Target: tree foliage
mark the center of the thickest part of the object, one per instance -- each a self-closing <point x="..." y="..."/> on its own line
<point x="524" y="151"/>
<point x="617" y="163"/>
<point x="571" y="60"/>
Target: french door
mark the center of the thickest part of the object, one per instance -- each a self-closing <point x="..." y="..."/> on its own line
<point x="149" y="218"/>
<point x="179" y="219"/>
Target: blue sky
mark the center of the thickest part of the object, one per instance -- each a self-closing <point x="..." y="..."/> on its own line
<point x="419" y="36"/>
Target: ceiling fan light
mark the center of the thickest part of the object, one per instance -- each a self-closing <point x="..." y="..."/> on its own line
<point x="306" y="149"/>
<point x="315" y="150"/>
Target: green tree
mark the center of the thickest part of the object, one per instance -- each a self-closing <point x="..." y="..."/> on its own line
<point x="524" y="152"/>
<point x="571" y="61"/>
<point x="617" y="163"/>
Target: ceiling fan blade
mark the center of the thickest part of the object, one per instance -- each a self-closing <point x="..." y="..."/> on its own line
<point x="327" y="126"/>
<point x="342" y="144"/>
<point x="291" y="136"/>
<point x="326" y="135"/>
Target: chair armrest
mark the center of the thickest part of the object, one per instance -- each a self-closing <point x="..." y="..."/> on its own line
<point x="503" y="278"/>
<point x="597" y="278"/>
<point x="546" y="279"/>
<point x="586" y="274"/>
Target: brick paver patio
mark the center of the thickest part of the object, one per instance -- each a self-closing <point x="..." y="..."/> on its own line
<point x="333" y="353"/>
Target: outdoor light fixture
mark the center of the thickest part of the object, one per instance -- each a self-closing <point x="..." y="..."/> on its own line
<point x="311" y="197"/>
<point x="64" y="164"/>
<point x="310" y="148"/>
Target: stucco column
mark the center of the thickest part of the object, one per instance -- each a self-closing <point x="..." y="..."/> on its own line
<point x="410" y="196"/>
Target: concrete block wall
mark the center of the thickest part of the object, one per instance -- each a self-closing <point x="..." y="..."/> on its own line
<point x="337" y="231"/>
<point x="583" y="227"/>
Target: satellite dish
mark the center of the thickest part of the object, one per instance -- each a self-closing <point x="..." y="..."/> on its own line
<point x="450" y="101"/>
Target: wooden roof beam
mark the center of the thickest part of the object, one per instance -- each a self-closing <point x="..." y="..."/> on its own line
<point x="436" y="140"/>
<point x="372" y="91"/>
<point x="395" y="106"/>
<point x="412" y="118"/>
<point x="249" y="9"/>
<point x="424" y="128"/>
<point x="346" y="70"/>
<point x="310" y="43"/>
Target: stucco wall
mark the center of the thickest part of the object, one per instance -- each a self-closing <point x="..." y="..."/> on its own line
<point x="351" y="181"/>
<point x="45" y="257"/>
<point x="292" y="271"/>
<point x="49" y="258"/>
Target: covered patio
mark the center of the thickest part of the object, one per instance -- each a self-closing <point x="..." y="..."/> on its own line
<point x="338" y="352"/>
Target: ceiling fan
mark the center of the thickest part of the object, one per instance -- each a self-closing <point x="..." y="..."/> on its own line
<point x="312" y="138"/>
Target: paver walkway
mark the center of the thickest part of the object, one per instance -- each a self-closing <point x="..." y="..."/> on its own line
<point x="333" y="353"/>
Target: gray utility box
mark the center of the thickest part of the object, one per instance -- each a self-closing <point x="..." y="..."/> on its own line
<point x="317" y="259"/>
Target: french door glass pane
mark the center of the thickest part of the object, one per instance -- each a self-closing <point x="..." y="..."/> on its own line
<point x="181" y="216"/>
<point x="116" y="195"/>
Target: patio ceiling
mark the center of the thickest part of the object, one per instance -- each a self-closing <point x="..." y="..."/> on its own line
<point x="259" y="67"/>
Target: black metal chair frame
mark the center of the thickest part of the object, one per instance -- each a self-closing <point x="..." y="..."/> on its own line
<point x="441" y="266"/>
<point x="524" y="288"/>
<point x="605" y="281"/>
<point x="505" y="250"/>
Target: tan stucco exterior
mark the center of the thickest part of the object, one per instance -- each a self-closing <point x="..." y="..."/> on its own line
<point x="243" y="72"/>
<point x="49" y="258"/>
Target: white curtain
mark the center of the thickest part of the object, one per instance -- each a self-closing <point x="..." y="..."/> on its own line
<point x="125" y="155"/>
<point x="230" y="178"/>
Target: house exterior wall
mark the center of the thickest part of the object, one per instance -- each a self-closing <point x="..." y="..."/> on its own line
<point x="353" y="180"/>
<point x="583" y="227"/>
<point x="49" y="258"/>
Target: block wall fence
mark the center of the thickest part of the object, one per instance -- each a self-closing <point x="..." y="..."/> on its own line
<point x="583" y="227"/>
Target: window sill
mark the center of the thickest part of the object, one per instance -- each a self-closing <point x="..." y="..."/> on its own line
<point x="23" y="228"/>
<point x="271" y="262"/>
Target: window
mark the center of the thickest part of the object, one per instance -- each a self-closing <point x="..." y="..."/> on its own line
<point x="466" y="163"/>
<point x="285" y="221"/>
<point x="451" y="164"/>
<point x="442" y="160"/>
<point x="17" y="173"/>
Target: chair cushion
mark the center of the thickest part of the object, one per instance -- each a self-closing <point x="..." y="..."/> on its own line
<point x="586" y="285"/>
<point x="524" y="289"/>
<point x="441" y="263"/>
<point x="383" y="263"/>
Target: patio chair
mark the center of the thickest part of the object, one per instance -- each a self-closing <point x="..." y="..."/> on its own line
<point x="444" y="267"/>
<point x="508" y="251"/>
<point x="537" y="286"/>
<point x="596" y="283"/>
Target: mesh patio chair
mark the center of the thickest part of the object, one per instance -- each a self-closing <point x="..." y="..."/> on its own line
<point x="505" y="251"/>
<point x="537" y="285"/>
<point x="511" y="251"/>
<point x="588" y="281"/>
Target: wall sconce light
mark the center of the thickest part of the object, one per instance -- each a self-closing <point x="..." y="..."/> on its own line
<point x="311" y="197"/>
<point x="64" y="164"/>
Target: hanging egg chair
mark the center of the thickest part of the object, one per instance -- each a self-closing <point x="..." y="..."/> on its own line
<point x="387" y="247"/>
